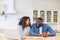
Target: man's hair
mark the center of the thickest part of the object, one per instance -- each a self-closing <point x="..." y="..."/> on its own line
<point x="40" y="18"/>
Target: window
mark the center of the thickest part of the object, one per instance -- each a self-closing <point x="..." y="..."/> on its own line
<point x="42" y="15"/>
<point x="2" y="7"/>
<point x="48" y="16"/>
<point x="1" y="4"/>
<point x="35" y="13"/>
<point x="7" y="6"/>
<point x="55" y="16"/>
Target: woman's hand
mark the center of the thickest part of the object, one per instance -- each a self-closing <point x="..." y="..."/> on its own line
<point x="27" y="34"/>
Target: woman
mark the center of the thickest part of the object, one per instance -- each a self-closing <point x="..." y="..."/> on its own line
<point x="24" y="26"/>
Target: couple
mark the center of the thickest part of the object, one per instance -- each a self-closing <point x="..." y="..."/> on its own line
<point x="36" y="29"/>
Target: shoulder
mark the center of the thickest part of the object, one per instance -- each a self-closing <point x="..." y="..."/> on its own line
<point x="46" y="25"/>
<point x="19" y="26"/>
<point x="34" y="24"/>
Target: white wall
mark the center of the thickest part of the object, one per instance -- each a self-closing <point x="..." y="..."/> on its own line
<point x="26" y="7"/>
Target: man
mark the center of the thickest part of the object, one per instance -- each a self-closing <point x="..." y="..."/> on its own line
<point x="41" y="29"/>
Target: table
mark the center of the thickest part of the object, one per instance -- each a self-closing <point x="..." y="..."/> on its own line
<point x="57" y="37"/>
<point x="41" y="38"/>
<point x="2" y="37"/>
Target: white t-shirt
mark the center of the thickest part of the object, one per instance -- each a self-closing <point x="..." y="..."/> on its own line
<point x="23" y="32"/>
<point x="40" y="30"/>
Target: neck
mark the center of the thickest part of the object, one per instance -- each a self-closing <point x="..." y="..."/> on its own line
<point x="39" y="25"/>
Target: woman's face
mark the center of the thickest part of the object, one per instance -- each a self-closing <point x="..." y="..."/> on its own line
<point x="28" y="22"/>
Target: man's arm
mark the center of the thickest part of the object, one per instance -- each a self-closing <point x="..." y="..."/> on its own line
<point x="47" y="29"/>
<point x="32" y="33"/>
<point x="50" y="30"/>
<point x="44" y="34"/>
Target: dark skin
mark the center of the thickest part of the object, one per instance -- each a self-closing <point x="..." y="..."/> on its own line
<point x="44" y="34"/>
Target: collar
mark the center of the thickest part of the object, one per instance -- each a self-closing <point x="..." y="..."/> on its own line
<point x="39" y="26"/>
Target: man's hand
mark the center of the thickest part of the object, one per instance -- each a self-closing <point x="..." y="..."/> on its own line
<point x="38" y="34"/>
<point x="43" y="34"/>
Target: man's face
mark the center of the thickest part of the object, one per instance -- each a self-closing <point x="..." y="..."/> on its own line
<point x="38" y="22"/>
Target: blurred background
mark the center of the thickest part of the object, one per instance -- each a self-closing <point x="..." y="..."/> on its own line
<point x="12" y="10"/>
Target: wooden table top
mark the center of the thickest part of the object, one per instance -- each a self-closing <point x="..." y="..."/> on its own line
<point x="2" y="37"/>
<point x="41" y="38"/>
<point x="57" y="37"/>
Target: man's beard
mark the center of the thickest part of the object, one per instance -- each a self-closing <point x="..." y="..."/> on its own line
<point x="39" y="25"/>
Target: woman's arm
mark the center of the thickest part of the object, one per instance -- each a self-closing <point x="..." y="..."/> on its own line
<point x="27" y="34"/>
